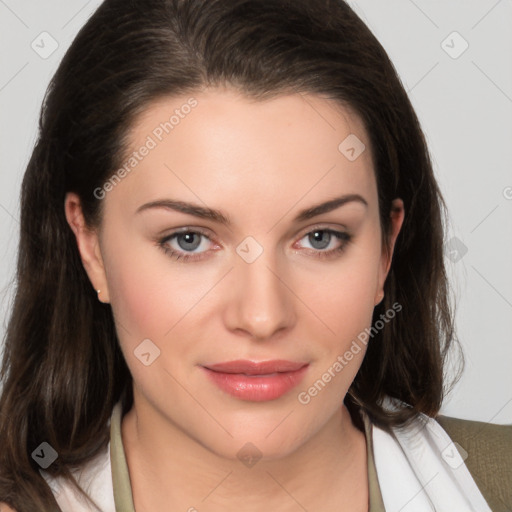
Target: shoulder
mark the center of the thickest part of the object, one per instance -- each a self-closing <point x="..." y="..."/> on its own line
<point x="487" y="452"/>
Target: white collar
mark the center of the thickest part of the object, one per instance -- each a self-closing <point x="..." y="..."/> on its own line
<point x="420" y="470"/>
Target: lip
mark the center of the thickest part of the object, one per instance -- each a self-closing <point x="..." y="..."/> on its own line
<point x="256" y="381"/>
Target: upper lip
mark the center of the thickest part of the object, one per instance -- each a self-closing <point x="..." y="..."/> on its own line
<point x="256" y="367"/>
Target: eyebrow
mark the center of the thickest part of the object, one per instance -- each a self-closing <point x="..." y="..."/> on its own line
<point x="217" y="216"/>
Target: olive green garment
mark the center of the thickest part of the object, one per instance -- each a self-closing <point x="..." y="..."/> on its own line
<point x="121" y="478"/>
<point x="487" y="450"/>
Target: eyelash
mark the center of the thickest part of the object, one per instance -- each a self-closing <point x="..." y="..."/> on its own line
<point x="186" y="257"/>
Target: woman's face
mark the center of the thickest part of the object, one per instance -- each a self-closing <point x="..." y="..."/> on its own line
<point x="268" y="277"/>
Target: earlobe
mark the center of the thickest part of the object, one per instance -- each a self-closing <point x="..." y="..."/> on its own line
<point x="88" y="245"/>
<point x="379" y="297"/>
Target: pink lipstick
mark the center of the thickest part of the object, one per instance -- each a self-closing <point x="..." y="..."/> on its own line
<point x="256" y="381"/>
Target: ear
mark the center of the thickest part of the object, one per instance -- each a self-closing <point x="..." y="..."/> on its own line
<point x="397" y="215"/>
<point x="88" y="245"/>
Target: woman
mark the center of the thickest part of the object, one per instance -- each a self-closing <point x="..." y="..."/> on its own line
<point x="231" y="290"/>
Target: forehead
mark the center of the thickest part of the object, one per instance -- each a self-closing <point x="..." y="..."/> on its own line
<point x="218" y="145"/>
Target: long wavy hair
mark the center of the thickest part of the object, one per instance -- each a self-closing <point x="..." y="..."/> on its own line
<point x="62" y="369"/>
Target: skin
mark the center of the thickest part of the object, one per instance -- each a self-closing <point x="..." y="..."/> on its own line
<point x="260" y="163"/>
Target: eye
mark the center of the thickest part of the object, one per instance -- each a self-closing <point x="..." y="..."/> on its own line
<point x="185" y="244"/>
<point x="323" y="238"/>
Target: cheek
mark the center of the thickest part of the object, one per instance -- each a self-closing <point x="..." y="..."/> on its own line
<point x="138" y="299"/>
<point x="342" y="293"/>
<point x="148" y="295"/>
<point x="152" y="299"/>
<point x="342" y="296"/>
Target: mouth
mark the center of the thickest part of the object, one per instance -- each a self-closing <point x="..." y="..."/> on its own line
<point x="256" y="381"/>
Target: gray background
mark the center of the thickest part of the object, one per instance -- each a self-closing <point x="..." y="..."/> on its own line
<point x="463" y="100"/>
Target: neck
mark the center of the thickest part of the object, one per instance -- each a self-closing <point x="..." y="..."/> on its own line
<point x="171" y="470"/>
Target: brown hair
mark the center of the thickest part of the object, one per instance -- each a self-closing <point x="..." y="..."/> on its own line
<point x="62" y="366"/>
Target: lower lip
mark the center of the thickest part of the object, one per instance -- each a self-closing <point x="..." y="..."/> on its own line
<point x="257" y="388"/>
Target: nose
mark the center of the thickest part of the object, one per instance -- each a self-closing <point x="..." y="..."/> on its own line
<point x="261" y="304"/>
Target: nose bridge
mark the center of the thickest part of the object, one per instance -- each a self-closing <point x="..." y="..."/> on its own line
<point x="262" y="303"/>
